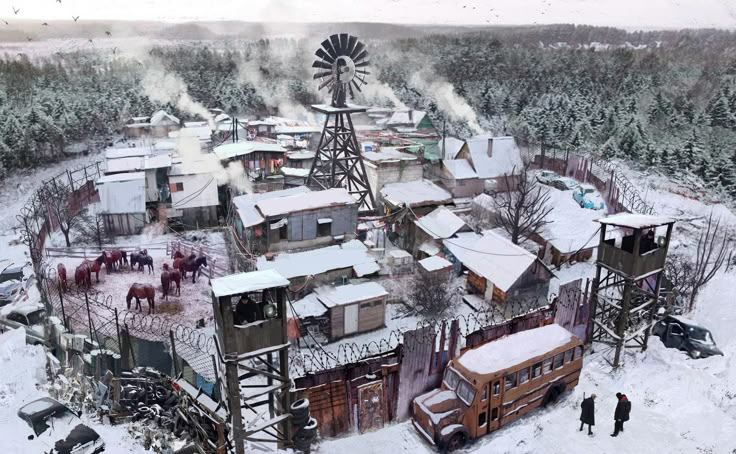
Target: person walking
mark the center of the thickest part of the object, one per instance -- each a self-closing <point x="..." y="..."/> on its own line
<point x="587" y="415"/>
<point x="623" y="408"/>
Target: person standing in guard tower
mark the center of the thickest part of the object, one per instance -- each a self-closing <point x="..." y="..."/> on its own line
<point x="623" y="408"/>
<point x="587" y="415"/>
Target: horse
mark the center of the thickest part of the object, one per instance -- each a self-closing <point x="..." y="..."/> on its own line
<point x="96" y="265"/>
<point x="190" y="264"/>
<point x="61" y="270"/>
<point x="139" y="291"/>
<point x="165" y="281"/>
<point x="172" y="276"/>
<point x="145" y="260"/>
<point x="177" y="255"/>
<point x="115" y="258"/>
<point x="83" y="276"/>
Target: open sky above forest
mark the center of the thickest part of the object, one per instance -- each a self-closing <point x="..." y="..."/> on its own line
<point x="629" y="14"/>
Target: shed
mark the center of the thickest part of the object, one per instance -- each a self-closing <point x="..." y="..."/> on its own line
<point x="460" y="179"/>
<point x="354" y="308"/>
<point x="260" y="159"/>
<point x="123" y="202"/>
<point x="162" y="123"/>
<point x="436" y="266"/>
<point x="193" y="188"/>
<point x="389" y="165"/>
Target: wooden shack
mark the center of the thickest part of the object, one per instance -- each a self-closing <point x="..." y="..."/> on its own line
<point x="354" y="308"/>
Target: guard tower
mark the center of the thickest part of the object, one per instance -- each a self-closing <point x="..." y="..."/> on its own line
<point x="631" y="258"/>
<point x="253" y="349"/>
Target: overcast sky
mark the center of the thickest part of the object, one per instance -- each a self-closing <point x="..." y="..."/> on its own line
<point x="621" y="13"/>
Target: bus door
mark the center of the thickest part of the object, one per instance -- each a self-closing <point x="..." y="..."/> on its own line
<point x="494" y="406"/>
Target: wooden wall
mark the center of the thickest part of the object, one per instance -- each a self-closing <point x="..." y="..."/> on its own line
<point x="372" y="314"/>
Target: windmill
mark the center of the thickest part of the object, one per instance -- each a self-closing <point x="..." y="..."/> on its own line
<point x="341" y="68"/>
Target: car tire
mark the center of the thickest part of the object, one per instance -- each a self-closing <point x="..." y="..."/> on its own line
<point x="456" y="442"/>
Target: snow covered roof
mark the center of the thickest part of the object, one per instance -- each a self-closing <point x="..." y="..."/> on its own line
<point x="124" y="164"/>
<point x="505" y="155"/>
<point x="244" y="147"/>
<point x="434" y="263"/>
<point x="309" y="306"/>
<point x="399" y="254"/>
<point x="415" y="193"/>
<point x="160" y="115"/>
<point x="452" y="147"/>
<point x="203" y="163"/>
<point x="203" y="133"/>
<point x="222" y="117"/>
<point x="430" y="248"/>
<point x="440" y="223"/>
<point x="306" y="201"/>
<point x="307" y="129"/>
<point x="129" y="176"/>
<point x="406" y="117"/>
<point x="486" y="201"/>
<point x="157" y="162"/>
<point x="253" y="281"/>
<point x="571" y="228"/>
<point x="348" y="294"/>
<point x="117" y="153"/>
<point x="246" y="204"/>
<point x="294" y="172"/>
<point x="460" y="169"/>
<point x="491" y="256"/>
<point x="318" y="261"/>
<point x="388" y="154"/>
<point x="266" y="122"/>
<point x="301" y="154"/>
<point x="636" y="221"/>
<point x="367" y="268"/>
<point x="514" y="349"/>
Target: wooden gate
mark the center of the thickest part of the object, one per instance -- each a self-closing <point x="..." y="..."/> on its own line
<point x="370" y="406"/>
<point x="328" y="405"/>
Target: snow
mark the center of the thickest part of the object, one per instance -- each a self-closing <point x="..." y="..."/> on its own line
<point x="307" y="201"/>
<point x="399" y="254"/>
<point x="365" y="269"/>
<point x="297" y="130"/>
<point x="318" y="261"/>
<point x="301" y="154"/>
<point x="295" y="172"/>
<point x="434" y="263"/>
<point x="491" y="256"/>
<point x="388" y="154"/>
<point x="36" y="406"/>
<point x="403" y="118"/>
<point x="123" y="164"/>
<point x="348" y="294"/>
<point x="452" y="147"/>
<point x="514" y="349"/>
<point x="119" y="177"/>
<point x="246" y="204"/>
<point x="160" y="115"/>
<point x="415" y="193"/>
<point x="636" y="221"/>
<point x="505" y="156"/>
<point x="203" y="163"/>
<point x="429" y="248"/>
<point x="460" y="169"/>
<point x="440" y="223"/>
<point x="572" y="228"/>
<point x="157" y="162"/>
<point x="439" y="397"/>
<point x="242" y="148"/>
<point x="309" y="306"/>
<point x="117" y="153"/>
<point x="236" y="284"/>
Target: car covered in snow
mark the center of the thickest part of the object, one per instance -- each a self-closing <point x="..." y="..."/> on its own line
<point x="58" y="430"/>
<point x="587" y="196"/>
<point x="555" y="180"/>
<point x="9" y="290"/>
<point x="31" y="318"/>
<point x="683" y="334"/>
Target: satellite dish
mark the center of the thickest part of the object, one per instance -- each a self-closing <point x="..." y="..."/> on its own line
<point x="341" y="66"/>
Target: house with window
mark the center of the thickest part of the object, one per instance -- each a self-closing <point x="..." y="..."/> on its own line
<point x="162" y="123"/>
<point x="260" y="159"/>
<point x="492" y="158"/>
<point x="432" y="229"/>
<point x="389" y="165"/>
<point x="193" y="189"/>
<point x="409" y="120"/>
<point x="450" y="147"/>
<point x="499" y="270"/>
<point x="459" y="177"/>
<point x="295" y="218"/>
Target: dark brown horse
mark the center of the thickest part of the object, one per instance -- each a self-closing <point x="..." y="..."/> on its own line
<point x="115" y="259"/>
<point x="172" y="276"/>
<point x="165" y="282"/>
<point x="177" y="255"/>
<point x="190" y="264"/>
<point x="96" y="265"/>
<point x="61" y="270"/>
<point x="139" y="291"/>
<point x="83" y="276"/>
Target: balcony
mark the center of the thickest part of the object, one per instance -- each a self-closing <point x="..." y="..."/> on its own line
<point x="623" y="261"/>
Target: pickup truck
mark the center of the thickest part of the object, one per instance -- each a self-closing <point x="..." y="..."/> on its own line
<point x="31" y="318"/>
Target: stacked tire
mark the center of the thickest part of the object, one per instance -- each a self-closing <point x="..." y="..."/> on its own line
<point x="305" y="427"/>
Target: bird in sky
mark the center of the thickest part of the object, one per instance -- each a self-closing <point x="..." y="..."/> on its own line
<point x="114" y="50"/>
<point x="16" y="11"/>
<point x="29" y="38"/>
<point x="6" y="22"/>
<point x="45" y="24"/>
<point x="75" y="18"/>
<point x="108" y="33"/>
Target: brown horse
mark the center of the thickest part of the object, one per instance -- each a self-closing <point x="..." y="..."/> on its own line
<point x="96" y="265"/>
<point x="115" y="259"/>
<point x="165" y="281"/>
<point x="83" y="276"/>
<point x="61" y="270"/>
<point x="190" y="264"/>
<point x="171" y="276"/>
<point x="139" y="291"/>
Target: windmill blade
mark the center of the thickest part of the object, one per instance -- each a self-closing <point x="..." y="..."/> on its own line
<point x="361" y="56"/>
<point x="321" y="65"/>
<point x="326" y="83"/>
<point x="362" y="80"/>
<point x="360" y="71"/>
<point x="328" y="47"/>
<point x="344" y="43"/>
<point x="350" y="89"/>
<point x="352" y="41"/>
<point x="357" y="87"/>
<point x="362" y="64"/>
<point x="335" y="39"/>
<point x="324" y="56"/>
<point x="360" y="47"/>
<point x="322" y="74"/>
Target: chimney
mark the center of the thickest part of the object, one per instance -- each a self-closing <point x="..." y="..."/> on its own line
<point x="411" y="116"/>
<point x="490" y="148"/>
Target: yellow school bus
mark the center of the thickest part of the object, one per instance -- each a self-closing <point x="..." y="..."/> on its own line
<point x="495" y="383"/>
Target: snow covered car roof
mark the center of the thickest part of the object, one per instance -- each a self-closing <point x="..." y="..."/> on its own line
<point x="65" y="433"/>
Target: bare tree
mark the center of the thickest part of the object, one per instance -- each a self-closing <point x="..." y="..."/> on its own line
<point x="91" y="228"/>
<point x="522" y="212"/>
<point x="58" y="199"/>
<point x="430" y="296"/>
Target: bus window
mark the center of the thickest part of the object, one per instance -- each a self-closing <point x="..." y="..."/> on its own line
<point x="547" y="366"/>
<point x="568" y="356"/>
<point x="536" y="370"/>
<point x="465" y="392"/>
<point x="524" y="375"/>
<point x="558" y="361"/>
<point x="451" y="378"/>
<point x="497" y="388"/>
<point x="484" y="393"/>
<point x="510" y="381"/>
<point x="578" y="352"/>
<point x="494" y="414"/>
<point x="482" y="419"/>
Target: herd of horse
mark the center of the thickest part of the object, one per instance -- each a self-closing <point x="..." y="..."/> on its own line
<point x="117" y="259"/>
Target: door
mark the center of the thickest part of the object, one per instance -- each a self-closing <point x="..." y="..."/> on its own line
<point x="494" y="407"/>
<point x="370" y="406"/>
<point x="675" y="336"/>
<point x="351" y="318"/>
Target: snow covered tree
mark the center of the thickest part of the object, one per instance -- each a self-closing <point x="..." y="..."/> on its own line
<point x="430" y="296"/>
<point x="58" y="199"/>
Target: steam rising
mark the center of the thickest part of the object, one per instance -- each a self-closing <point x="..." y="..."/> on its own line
<point x="165" y="87"/>
<point x="193" y="160"/>
<point x="378" y="92"/>
<point x="447" y="100"/>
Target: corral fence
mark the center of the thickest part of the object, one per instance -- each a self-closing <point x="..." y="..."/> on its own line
<point x="217" y="258"/>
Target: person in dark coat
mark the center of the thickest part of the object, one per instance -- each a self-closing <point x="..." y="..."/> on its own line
<point x="246" y="311"/>
<point x="587" y="415"/>
<point x="623" y="408"/>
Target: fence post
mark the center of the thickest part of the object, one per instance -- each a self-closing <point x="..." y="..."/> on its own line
<point x="174" y="361"/>
<point x="61" y="300"/>
<point x="217" y="379"/>
<point x="89" y="314"/>
<point x="117" y="329"/>
<point x="129" y="346"/>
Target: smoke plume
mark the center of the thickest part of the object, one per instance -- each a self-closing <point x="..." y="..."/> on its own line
<point x="193" y="160"/>
<point x="446" y="98"/>
<point x="165" y="87"/>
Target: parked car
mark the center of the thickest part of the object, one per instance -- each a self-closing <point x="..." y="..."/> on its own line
<point x="566" y="184"/>
<point x="14" y="271"/>
<point x="547" y="176"/>
<point x="57" y="429"/>
<point x="683" y="334"/>
<point x="555" y="180"/>
<point x="9" y="290"/>
<point x="31" y="318"/>
<point x="588" y="197"/>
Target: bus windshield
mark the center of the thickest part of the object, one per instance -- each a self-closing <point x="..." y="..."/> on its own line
<point x="451" y="378"/>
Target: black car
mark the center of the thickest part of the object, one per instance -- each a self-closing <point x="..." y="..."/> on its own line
<point x="58" y="430"/>
<point x="683" y="334"/>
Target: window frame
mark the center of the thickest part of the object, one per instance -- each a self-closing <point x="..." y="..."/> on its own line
<point x="545" y="362"/>
<point x="528" y="376"/>
<point x="562" y="361"/>
<point x="578" y="352"/>
<point x="494" y="414"/>
<point x="515" y="384"/>
<point x="540" y="370"/>
<point x="482" y="415"/>
<point x="569" y="355"/>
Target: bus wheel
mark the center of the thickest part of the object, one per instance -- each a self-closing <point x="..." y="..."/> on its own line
<point x="456" y="442"/>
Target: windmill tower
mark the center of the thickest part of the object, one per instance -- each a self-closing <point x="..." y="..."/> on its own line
<point x="341" y="67"/>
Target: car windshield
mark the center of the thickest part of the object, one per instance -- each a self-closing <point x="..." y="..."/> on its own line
<point x="61" y="416"/>
<point x="701" y="335"/>
<point x="589" y="190"/>
<point x="37" y="317"/>
<point x="451" y="378"/>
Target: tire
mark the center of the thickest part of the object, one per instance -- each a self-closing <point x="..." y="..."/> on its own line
<point x="553" y="393"/>
<point x="300" y="421"/>
<point x="456" y="442"/>
<point x="300" y="406"/>
<point x="311" y="425"/>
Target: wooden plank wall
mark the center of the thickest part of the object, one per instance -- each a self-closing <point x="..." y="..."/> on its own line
<point x="416" y="358"/>
<point x="329" y="406"/>
<point x="372" y="317"/>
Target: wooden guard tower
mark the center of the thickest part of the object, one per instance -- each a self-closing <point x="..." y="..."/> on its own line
<point x="629" y="268"/>
<point x="338" y="162"/>
<point x="254" y="357"/>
